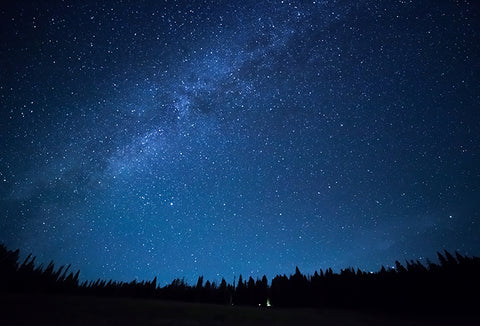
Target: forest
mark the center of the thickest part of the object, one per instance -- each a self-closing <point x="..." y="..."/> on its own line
<point x="451" y="285"/>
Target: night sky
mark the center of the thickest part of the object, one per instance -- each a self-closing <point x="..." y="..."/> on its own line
<point x="219" y="138"/>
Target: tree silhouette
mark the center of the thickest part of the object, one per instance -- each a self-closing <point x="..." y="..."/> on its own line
<point x="444" y="287"/>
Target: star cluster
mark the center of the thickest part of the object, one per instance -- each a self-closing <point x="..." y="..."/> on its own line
<point x="218" y="138"/>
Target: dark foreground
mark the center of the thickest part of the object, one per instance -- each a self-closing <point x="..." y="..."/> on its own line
<point x="92" y="311"/>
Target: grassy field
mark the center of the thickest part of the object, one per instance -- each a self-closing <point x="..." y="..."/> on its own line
<point x="92" y="311"/>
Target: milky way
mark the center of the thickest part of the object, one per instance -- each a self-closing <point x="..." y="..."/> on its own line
<point x="218" y="138"/>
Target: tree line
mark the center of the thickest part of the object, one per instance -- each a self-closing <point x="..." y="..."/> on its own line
<point x="449" y="285"/>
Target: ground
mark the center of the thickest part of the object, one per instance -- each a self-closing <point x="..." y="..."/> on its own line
<point x="92" y="311"/>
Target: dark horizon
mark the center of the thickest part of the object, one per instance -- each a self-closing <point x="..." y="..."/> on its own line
<point x="432" y="291"/>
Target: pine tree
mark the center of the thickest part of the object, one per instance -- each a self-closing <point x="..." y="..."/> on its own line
<point x="399" y="267"/>
<point x="200" y="282"/>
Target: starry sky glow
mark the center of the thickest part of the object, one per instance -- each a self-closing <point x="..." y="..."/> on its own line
<point x="218" y="138"/>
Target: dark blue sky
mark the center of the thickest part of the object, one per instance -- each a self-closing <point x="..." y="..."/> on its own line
<point x="218" y="138"/>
